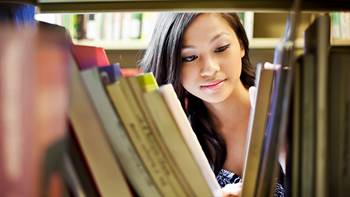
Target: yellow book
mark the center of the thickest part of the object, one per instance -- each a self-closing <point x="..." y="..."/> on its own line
<point x="180" y="151"/>
<point x="142" y="138"/>
<point x="138" y="86"/>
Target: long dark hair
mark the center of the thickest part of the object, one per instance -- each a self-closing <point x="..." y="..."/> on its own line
<point x="163" y="58"/>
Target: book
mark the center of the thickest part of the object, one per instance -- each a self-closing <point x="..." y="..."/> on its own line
<point x="123" y="148"/>
<point x="170" y="97"/>
<point x="295" y="138"/>
<point x="89" y="56"/>
<point x="104" y="166"/>
<point x="256" y="129"/>
<point x="143" y="139"/>
<point x="145" y="83"/>
<point x="308" y="127"/>
<point x="79" y="177"/>
<point x="109" y="73"/>
<point x="187" y="165"/>
<point x="317" y="42"/>
<point x="338" y="121"/>
<point x="277" y="123"/>
<point x="33" y="105"/>
<point x="130" y="72"/>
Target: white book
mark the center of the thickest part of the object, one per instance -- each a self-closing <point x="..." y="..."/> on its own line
<point x="176" y="145"/>
<point x="170" y="97"/>
<point x="256" y="128"/>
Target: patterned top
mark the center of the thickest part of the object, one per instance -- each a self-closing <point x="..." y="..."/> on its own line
<point x="225" y="177"/>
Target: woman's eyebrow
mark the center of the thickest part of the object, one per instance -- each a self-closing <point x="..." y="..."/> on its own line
<point x="211" y="40"/>
<point x="218" y="36"/>
<point x="187" y="47"/>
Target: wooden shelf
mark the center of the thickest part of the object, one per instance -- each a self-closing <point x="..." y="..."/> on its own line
<point x="271" y="43"/>
<point x="255" y="43"/>
<point x="115" y="44"/>
<point x="185" y="5"/>
<point x="340" y="42"/>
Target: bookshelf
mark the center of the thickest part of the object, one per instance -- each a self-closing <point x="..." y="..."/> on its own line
<point x="263" y="28"/>
<point x="263" y="36"/>
<point x="116" y="45"/>
<point x="340" y="42"/>
<point x="257" y="43"/>
<point x="156" y="5"/>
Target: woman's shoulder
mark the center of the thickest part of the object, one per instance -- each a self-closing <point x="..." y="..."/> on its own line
<point x="225" y="177"/>
<point x="252" y="95"/>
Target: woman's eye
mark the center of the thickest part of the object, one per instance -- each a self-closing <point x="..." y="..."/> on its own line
<point x="222" y="48"/>
<point x="189" y="58"/>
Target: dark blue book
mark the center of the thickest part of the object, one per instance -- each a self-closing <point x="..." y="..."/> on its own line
<point x="110" y="73"/>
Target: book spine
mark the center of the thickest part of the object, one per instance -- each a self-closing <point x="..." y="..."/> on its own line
<point x="323" y="40"/>
<point x="181" y="155"/>
<point x="339" y="121"/>
<point x="170" y="97"/>
<point x="94" y="145"/>
<point x="308" y="128"/>
<point x="148" y="82"/>
<point x="256" y="129"/>
<point x="142" y="138"/>
<point x="296" y="136"/>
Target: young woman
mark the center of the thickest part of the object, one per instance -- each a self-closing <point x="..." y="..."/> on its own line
<point x="205" y="57"/>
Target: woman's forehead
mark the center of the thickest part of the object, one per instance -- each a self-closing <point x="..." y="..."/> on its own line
<point x="208" y="26"/>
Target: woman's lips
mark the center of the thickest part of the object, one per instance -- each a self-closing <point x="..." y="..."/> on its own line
<point x="213" y="84"/>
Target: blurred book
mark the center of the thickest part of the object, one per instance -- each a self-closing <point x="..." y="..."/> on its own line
<point x="340" y="28"/>
<point x="33" y="108"/>
<point x="78" y="174"/>
<point x="339" y="121"/>
<point x="317" y="43"/>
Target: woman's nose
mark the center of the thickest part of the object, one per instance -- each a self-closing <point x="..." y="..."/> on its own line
<point x="210" y="67"/>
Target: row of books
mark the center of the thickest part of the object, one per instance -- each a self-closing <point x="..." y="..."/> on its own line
<point x="127" y="136"/>
<point x="104" y="26"/>
<point x="118" y="26"/>
<point x="124" y="135"/>
<point x="145" y="135"/>
<point x="302" y="112"/>
<point x="340" y="25"/>
<point x="130" y="131"/>
<point x="319" y="135"/>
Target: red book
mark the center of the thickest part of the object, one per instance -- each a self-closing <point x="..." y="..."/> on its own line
<point x="89" y="56"/>
<point x="129" y="72"/>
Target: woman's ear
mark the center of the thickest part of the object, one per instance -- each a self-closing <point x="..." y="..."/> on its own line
<point x="242" y="52"/>
<point x="242" y="48"/>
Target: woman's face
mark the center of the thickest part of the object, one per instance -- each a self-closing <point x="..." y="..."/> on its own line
<point x="211" y="58"/>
